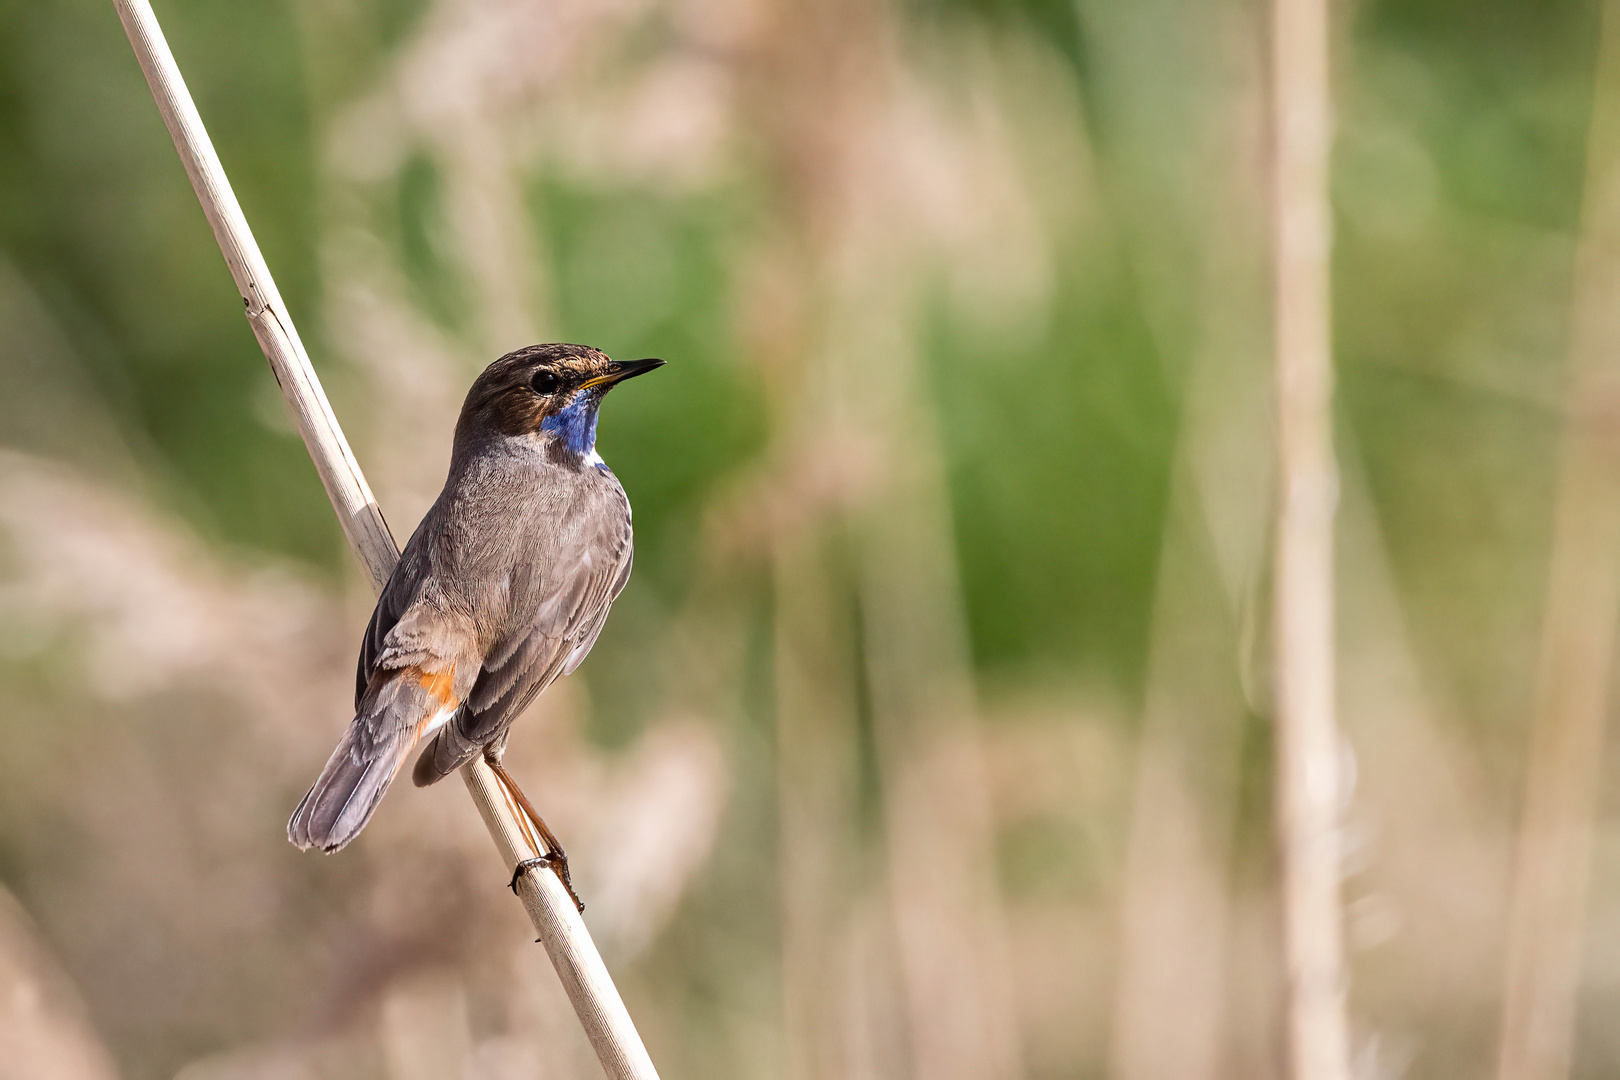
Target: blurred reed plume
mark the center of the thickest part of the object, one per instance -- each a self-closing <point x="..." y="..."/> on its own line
<point x="933" y="736"/>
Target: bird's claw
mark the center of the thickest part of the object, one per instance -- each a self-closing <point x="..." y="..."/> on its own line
<point x="557" y="863"/>
<point x="526" y="865"/>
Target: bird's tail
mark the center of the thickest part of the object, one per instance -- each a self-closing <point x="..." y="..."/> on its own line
<point x="346" y="794"/>
<point x="393" y="716"/>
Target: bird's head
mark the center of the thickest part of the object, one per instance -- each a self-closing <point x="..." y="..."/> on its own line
<point x="544" y="390"/>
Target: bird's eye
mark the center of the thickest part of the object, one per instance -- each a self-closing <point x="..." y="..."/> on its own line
<point x="544" y="382"/>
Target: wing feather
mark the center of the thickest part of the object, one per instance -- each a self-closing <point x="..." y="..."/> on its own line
<point x="556" y="621"/>
<point x="397" y="596"/>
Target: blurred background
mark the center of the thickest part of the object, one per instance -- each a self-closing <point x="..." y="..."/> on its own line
<point x="931" y="737"/>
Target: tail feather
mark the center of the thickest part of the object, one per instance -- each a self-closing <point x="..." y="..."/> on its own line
<point x="347" y="792"/>
<point x="397" y="709"/>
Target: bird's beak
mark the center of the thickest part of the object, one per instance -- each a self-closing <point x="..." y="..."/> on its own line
<point x="622" y="370"/>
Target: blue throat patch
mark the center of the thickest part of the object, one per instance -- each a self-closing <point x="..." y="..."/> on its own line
<point x="575" y="425"/>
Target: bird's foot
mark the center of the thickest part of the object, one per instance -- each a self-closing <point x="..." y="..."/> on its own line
<point x="557" y="863"/>
<point x="552" y="854"/>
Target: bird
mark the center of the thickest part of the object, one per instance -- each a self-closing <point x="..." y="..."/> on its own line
<point x="500" y="591"/>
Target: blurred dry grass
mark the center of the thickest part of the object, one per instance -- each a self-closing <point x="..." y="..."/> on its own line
<point x="931" y="736"/>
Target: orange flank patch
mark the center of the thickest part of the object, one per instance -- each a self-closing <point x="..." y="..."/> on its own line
<point x="438" y="685"/>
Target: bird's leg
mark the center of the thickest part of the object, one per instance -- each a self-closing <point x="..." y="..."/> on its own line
<point x="553" y="857"/>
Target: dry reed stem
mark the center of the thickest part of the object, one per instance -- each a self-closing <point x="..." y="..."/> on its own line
<point x="585" y="978"/>
<point x="817" y="773"/>
<point x="1172" y="995"/>
<point x="1307" y="734"/>
<point x="1177" y="991"/>
<point x="1553" y="860"/>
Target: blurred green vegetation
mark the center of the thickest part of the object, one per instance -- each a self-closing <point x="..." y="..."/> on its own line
<point x="1460" y="169"/>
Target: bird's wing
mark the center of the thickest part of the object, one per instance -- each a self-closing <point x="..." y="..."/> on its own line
<point x="417" y="663"/>
<point x="558" y="614"/>
<point x="403" y="586"/>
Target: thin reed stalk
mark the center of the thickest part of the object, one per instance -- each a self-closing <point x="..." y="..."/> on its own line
<point x="1179" y="992"/>
<point x="1308" y="798"/>
<point x="1572" y="689"/>
<point x="585" y="978"/>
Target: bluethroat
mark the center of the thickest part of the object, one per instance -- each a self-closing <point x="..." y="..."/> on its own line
<point x="501" y="590"/>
